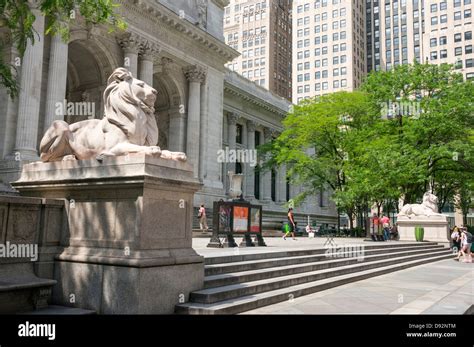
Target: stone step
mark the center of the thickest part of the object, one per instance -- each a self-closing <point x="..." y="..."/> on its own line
<point x="217" y="269"/>
<point x="212" y="295"/>
<point x="318" y="264"/>
<point x="301" y="252"/>
<point x="60" y="310"/>
<point x="250" y="302"/>
<point x="21" y="293"/>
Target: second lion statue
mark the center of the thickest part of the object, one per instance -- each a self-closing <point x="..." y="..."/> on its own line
<point x="128" y="126"/>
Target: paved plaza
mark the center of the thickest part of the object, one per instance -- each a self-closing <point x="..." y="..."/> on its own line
<point x="443" y="287"/>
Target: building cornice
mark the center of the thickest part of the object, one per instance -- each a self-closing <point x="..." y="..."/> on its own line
<point x="247" y="90"/>
<point x="158" y="12"/>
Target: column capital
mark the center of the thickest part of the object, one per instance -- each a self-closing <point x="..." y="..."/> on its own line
<point x="130" y="42"/>
<point x="268" y="134"/>
<point x="195" y="73"/>
<point x="251" y="125"/>
<point x="232" y="118"/>
<point x="148" y="50"/>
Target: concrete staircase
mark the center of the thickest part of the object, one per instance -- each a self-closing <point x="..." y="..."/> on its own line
<point x="238" y="283"/>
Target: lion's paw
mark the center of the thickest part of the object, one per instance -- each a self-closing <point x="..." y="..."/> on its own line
<point x="69" y="157"/>
<point x="180" y="156"/>
<point x="154" y="151"/>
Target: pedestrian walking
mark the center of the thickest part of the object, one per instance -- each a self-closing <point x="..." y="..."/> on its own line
<point x="291" y="225"/>
<point x="466" y="243"/>
<point x="375" y="226"/>
<point x="386" y="227"/>
<point x="202" y="219"/>
<point x="455" y="239"/>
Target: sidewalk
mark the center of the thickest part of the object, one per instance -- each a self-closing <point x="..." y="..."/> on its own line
<point x="444" y="287"/>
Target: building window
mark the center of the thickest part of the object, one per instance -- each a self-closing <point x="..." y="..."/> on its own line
<point x="468" y="35"/>
<point x="443" y="40"/>
<point x="443" y="53"/>
<point x="457" y="15"/>
<point x="273" y="185"/>
<point x="434" y="55"/>
<point x="468" y="49"/>
<point x="433" y="42"/>
<point x="458" y="51"/>
<point x="470" y="62"/>
<point x="457" y="37"/>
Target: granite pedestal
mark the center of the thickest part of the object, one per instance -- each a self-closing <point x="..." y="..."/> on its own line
<point x="129" y="237"/>
<point x="435" y="228"/>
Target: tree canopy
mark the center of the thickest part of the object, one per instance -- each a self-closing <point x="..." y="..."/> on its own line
<point x="406" y="131"/>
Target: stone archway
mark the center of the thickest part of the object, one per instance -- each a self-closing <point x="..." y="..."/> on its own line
<point x="167" y="106"/>
<point x="88" y="69"/>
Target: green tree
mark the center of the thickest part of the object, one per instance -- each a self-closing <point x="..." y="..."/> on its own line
<point x="369" y="153"/>
<point x="316" y="144"/>
<point x="17" y="17"/>
<point x="432" y="148"/>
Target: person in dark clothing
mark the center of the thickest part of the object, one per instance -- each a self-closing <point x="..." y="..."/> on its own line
<point x="291" y="225"/>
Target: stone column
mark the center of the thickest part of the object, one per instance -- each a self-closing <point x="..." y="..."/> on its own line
<point x="30" y="92"/>
<point x="267" y="174"/>
<point x="57" y="75"/>
<point x="130" y="44"/>
<point x="203" y="132"/>
<point x="250" y="179"/>
<point x="281" y="189"/>
<point x="232" y="136"/>
<point x="147" y="54"/>
<point x="176" y="141"/>
<point x="195" y="75"/>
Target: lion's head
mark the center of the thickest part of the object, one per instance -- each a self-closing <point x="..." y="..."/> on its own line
<point x="430" y="200"/>
<point x="129" y="104"/>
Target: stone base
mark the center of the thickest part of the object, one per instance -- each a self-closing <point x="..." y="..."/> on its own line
<point x="436" y="228"/>
<point x="129" y="238"/>
<point x="109" y="289"/>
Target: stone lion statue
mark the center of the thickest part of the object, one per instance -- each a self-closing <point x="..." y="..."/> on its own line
<point x="429" y="207"/>
<point x="128" y="126"/>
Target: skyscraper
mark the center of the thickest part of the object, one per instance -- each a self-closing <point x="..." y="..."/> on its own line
<point x="394" y="33"/>
<point x="329" y="46"/>
<point x="261" y="31"/>
<point x="448" y="34"/>
<point x="401" y="31"/>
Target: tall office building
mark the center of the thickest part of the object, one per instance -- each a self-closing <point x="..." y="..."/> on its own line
<point x="394" y="33"/>
<point x="401" y="31"/>
<point x="448" y="34"/>
<point x="261" y="31"/>
<point x="329" y="46"/>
